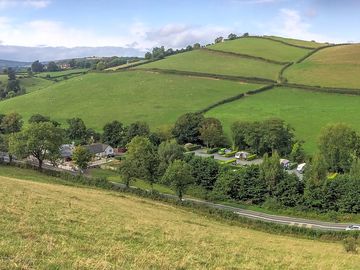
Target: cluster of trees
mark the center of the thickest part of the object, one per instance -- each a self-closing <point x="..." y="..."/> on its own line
<point x="161" y="52"/>
<point x="12" y="88"/>
<point x="231" y="36"/>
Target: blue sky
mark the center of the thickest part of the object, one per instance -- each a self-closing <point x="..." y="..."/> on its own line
<point x="141" y="24"/>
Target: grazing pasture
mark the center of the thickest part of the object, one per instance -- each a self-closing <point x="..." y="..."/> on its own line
<point x="262" y="47"/>
<point x="337" y="66"/>
<point x="308" y="112"/>
<point x="217" y="63"/>
<point x="299" y="42"/>
<point x="129" y="96"/>
<point x="50" y="226"/>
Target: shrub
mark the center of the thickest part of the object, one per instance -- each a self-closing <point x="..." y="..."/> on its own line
<point x="230" y="154"/>
<point x="192" y="147"/>
<point x="230" y="161"/>
<point x="350" y="244"/>
<point x="212" y="150"/>
<point x="293" y="166"/>
<point x="251" y="157"/>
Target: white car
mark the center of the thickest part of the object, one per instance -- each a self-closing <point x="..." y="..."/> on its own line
<point x="353" y="228"/>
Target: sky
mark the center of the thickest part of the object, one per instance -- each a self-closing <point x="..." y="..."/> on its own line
<point x="135" y="26"/>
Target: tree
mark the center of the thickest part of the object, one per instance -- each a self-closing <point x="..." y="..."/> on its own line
<point x="205" y="171"/>
<point x="245" y="35"/>
<point x="52" y="66"/>
<point x="187" y="128"/>
<point x="77" y="130"/>
<point x="137" y="129"/>
<point x="72" y="63"/>
<point x="38" y="118"/>
<point x="169" y="151"/>
<point x="271" y="171"/>
<point x="339" y="144"/>
<point x="196" y="46"/>
<point x="29" y="72"/>
<point x="11" y="123"/>
<point x="232" y="36"/>
<point x="289" y="191"/>
<point x="100" y="66"/>
<point x="158" y="52"/>
<point x="11" y="74"/>
<point x="148" y="55"/>
<point x="41" y="140"/>
<point x="211" y="132"/>
<point x="219" y="39"/>
<point x="315" y="180"/>
<point x="37" y="66"/>
<point x="297" y="152"/>
<point x="179" y="176"/>
<point x="81" y="157"/>
<point x="114" y="134"/>
<point x="141" y="160"/>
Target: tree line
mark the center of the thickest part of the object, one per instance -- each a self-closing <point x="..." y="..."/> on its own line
<point x="12" y="88"/>
<point x="331" y="181"/>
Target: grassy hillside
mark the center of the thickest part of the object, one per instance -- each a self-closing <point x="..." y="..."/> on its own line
<point x="217" y="63"/>
<point x="31" y="84"/>
<point x="126" y="96"/>
<point x="335" y="66"/>
<point x="61" y="73"/>
<point x="262" y="48"/>
<point x="307" y="112"/>
<point x="48" y="226"/>
<point x="299" y="42"/>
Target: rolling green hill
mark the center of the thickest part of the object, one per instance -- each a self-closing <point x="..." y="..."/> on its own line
<point x="99" y="98"/>
<point x="50" y="226"/>
<point x="298" y="42"/>
<point x="337" y="66"/>
<point x="217" y="63"/>
<point x="308" y="112"/>
<point x="262" y="47"/>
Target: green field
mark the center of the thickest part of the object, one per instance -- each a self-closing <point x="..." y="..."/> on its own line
<point x="217" y="63"/>
<point x="299" y="42"/>
<point x="61" y="73"/>
<point x="30" y="84"/>
<point x="125" y="65"/>
<point x="307" y="112"/>
<point x="262" y="48"/>
<point x="334" y="67"/>
<point x="50" y="226"/>
<point x="130" y="96"/>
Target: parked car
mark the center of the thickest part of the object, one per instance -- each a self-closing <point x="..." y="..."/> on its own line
<point x="301" y="167"/>
<point x="222" y="151"/>
<point x="242" y="155"/>
<point x="353" y="228"/>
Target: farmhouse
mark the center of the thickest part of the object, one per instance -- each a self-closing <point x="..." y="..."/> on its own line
<point x="100" y="150"/>
<point x="66" y="151"/>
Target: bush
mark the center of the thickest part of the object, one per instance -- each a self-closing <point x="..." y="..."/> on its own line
<point x="293" y="166"/>
<point x="192" y="147"/>
<point x="230" y="161"/>
<point x="230" y="154"/>
<point x="350" y="244"/>
<point x="251" y="157"/>
<point x="212" y="150"/>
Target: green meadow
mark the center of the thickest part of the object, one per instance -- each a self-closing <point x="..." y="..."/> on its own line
<point x="61" y="73"/>
<point x="333" y="67"/>
<point x="129" y="96"/>
<point x="262" y="48"/>
<point x="299" y="42"/>
<point x="307" y="112"/>
<point x="50" y="226"/>
<point x="217" y="63"/>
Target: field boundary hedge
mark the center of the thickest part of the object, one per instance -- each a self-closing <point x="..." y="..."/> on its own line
<point x="210" y="75"/>
<point x="237" y="97"/>
<point x="302" y="59"/>
<point x="248" y="56"/>
<point x="64" y="75"/>
<point x="347" y="91"/>
<point x="199" y="208"/>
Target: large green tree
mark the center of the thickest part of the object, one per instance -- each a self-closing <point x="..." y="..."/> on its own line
<point x="81" y="156"/>
<point x="76" y="130"/>
<point x="271" y="171"/>
<point x="137" y="129"/>
<point x="169" y="151"/>
<point x="339" y="144"/>
<point x="179" y="176"/>
<point x="114" y="134"/>
<point x="211" y="132"/>
<point x="41" y="140"/>
<point x="187" y="128"/>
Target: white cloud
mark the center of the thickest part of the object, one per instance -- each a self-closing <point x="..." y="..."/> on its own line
<point x="4" y="4"/>
<point x="290" y="23"/>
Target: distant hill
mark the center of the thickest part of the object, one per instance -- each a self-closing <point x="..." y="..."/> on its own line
<point x="13" y="64"/>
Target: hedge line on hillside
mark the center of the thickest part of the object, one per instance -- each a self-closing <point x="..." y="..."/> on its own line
<point x="258" y="58"/>
<point x="61" y="76"/>
<point x="348" y="91"/>
<point x="199" y="207"/>
<point x="211" y="75"/>
<point x="318" y="49"/>
<point x="239" y="96"/>
<point x="282" y="70"/>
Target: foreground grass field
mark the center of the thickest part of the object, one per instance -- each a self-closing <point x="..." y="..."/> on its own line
<point x="263" y="48"/>
<point x="131" y="96"/>
<point x="307" y="112"/>
<point x="217" y="63"/>
<point x="335" y="67"/>
<point x="48" y="226"/>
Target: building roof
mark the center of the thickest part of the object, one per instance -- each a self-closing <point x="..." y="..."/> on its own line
<point x="97" y="148"/>
<point x="66" y="150"/>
